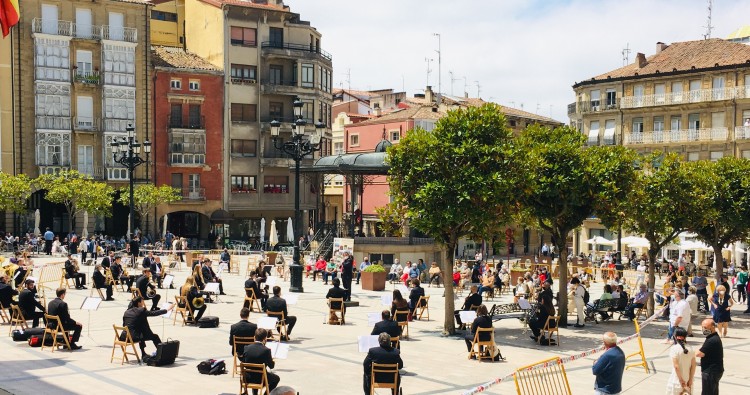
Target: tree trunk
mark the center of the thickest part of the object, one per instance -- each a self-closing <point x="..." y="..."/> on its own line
<point x="651" y="280"/>
<point x="562" y="282"/>
<point x="449" y="324"/>
<point x="718" y="264"/>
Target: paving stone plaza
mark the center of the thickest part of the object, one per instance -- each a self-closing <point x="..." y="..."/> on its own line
<point x="324" y="359"/>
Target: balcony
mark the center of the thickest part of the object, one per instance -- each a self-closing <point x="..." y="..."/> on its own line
<point x="742" y="132"/>
<point x="87" y="77"/>
<point x="52" y="122"/>
<point x="95" y="172"/>
<point x="190" y="123"/>
<point x="116" y="33"/>
<point x="51" y="74"/>
<point x="117" y="173"/>
<point x="117" y="125"/>
<point x="52" y="170"/>
<point x="52" y="26"/>
<point x="280" y="87"/>
<point x="193" y="194"/>
<point x="88" y="124"/>
<point x="296" y="50"/>
<point x="694" y="96"/>
<point x="592" y="106"/>
<point x="571" y="108"/>
<point x="244" y="81"/>
<point x="120" y="79"/>
<point x="678" y="136"/>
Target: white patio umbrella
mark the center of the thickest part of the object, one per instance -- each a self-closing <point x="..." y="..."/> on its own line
<point x="640" y="244"/>
<point x="598" y="240"/>
<point x="695" y="245"/>
<point x="273" y="237"/>
<point x="290" y="230"/>
<point x="164" y="230"/>
<point x="85" y="231"/>
<point x="37" y="219"/>
<point x="628" y="240"/>
<point x="262" y="230"/>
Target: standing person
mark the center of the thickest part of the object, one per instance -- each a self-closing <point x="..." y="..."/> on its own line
<point x="578" y="293"/>
<point x="721" y="304"/>
<point x="384" y="354"/>
<point x="742" y="284"/>
<point x="679" y="312"/>
<point x="712" y="359"/>
<point x="362" y="266"/>
<point x="683" y="365"/>
<point x="700" y="283"/>
<point x="608" y="368"/>
<point x="59" y="308"/>
<point x="135" y="246"/>
<point x="136" y="320"/>
<point x="48" y="238"/>
<point x="692" y="300"/>
<point x="347" y="267"/>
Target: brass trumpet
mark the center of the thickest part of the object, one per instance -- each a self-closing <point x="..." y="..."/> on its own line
<point x="198" y="302"/>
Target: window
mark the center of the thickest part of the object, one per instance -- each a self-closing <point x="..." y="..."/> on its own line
<point x="85" y="112"/>
<point x="676" y="122"/>
<point x="595" y="99"/>
<point x="187" y="148"/>
<point x="243" y="72"/>
<point x="194" y="185"/>
<point x="116" y="26"/>
<point x="427" y="125"/>
<point x="395" y="136"/>
<point x="659" y="91"/>
<point x="637" y="125"/>
<point x="693" y="156"/>
<point x="52" y="105"/>
<point x="175" y="116"/>
<point x="243" y="112"/>
<point x="86" y="159"/>
<point x="84" y="66"/>
<point x="276" y="110"/>
<point x="717" y="120"/>
<point x="308" y="75"/>
<point x="243" y="184"/>
<point x="658" y="124"/>
<point x="177" y="181"/>
<point x="353" y="140"/>
<point x="244" y="36"/>
<point x="194" y="85"/>
<point x="52" y="53"/>
<point x="53" y="149"/>
<point x="609" y="132"/>
<point x="638" y="94"/>
<point x="695" y="90"/>
<point x="512" y="122"/>
<point x="175" y="83"/>
<point x="694" y="121"/>
<point x="275" y="74"/>
<point x="593" y="133"/>
<point x="83" y="23"/>
<point x="308" y="112"/>
<point x="276" y="184"/>
<point x="276" y="36"/>
<point x="195" y="120"/>
<point x="338" y="149"/>
<point x="164" y="16"/>
<point x="716" y="155"/>
<point x="244" y="148"/>
<point x="718" y="88"/>
<point x="611" y="98"/>
<point x="677" y="92"/>
<point x="387" y="259"/>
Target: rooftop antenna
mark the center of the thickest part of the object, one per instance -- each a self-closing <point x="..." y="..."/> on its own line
<point x="466" y="90"/>
<point x="626" y="55"/>
<point x="452" y="80"/>
<point x="429" y="70"/>
<point x="538" y="107"/>
<point x="708" y="26"/>
<point x="479" y="89"/>
<point x="349" y="79"/>
<point x="440" y="63"/>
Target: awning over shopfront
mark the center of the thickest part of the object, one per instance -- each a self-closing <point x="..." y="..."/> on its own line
<point x="221" y="217"/>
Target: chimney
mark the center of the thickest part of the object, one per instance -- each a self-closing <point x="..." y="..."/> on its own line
<point x="660" y="46"/>
<point x="428" y="95"/>
<point x="376" y="111"/>
<point x="640" y="59"/>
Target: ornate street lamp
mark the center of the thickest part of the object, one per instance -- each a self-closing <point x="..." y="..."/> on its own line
<point x="127" y="152"/>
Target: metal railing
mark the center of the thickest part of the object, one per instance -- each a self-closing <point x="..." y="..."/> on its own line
<point x="193" y="193"/>
<point x="592" y="106"/>
<point x="90" y="32"/>
<point x="189" y="123"/>
<point x="117" y="33"/>
<point x="94" y="32"/>
<point x="87" y="77"/>
<point x="271" y="81"/>
<point x="96" y="172"/>
<point x="86" y="123"/>
<point x="52" y="122"/>
<point x="682" y="97"/>
<point x="52" y="73"/>
<point x="297" y="47"/>
<point x="52" y="26"/>
<point x="54" y="169"/>
<point x="742" y="132"/>
<point x="677" y="136"/>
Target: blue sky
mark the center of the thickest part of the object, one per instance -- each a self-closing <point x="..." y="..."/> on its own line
<point x="520" y="52"/>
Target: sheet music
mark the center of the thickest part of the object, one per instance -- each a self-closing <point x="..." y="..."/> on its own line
<point x="524" y="304"/>
<point x="404" y="291"/>
<point x="165" y="306"/>
<point x="373" y="318"/>
<point x="386" y="300"/>
<point x="91" y="303"/>
<point x="467" y="315"/>
<point x="271" y="281"/>
<point x="365" y="343"/>
<point x="291" y="298"/>
<point x="267" y="322"/>
<point x="211" y="288"/>
<point x="278" y="350"/>
<point x="167" y="282"/>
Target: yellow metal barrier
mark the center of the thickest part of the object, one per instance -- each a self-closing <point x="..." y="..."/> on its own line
<point x="640" y="352"/>
<point x="542" y="378"/>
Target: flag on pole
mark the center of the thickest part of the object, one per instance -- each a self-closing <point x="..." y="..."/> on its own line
<point x="9" y="15"/>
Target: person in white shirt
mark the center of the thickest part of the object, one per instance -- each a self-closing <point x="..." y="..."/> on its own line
<point x="683" y="365"/>
<point x="679" y="313"/>
<point x="692" y="300"/>
<point x="578" y="300"/>
<point x="640" y="276"/>
<point x="396" y="271"/>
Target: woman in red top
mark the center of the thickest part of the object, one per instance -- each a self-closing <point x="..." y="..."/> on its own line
<point x="320" y="266"/>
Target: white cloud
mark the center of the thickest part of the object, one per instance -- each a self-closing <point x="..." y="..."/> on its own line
<point x="528" y="52"/>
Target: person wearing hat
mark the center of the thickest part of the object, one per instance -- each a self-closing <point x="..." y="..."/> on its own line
<point x="28" y="304"/>
<point x="638" y="301"/>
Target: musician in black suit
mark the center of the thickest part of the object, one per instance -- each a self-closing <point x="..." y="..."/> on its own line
<point x="28" y="303"/>
<point x="209" y="276"/>
<point x="474" y="299"/>
<point x="388" y="326"/>
<point x="100" y="281"/>
<point x="336" y="292"/>
<point x="6" y="291"/>
<point x="384" y="354"/>
<point x="259" y="353"/>
<point x="59" y="308"/>
<point x="416" y="292"/>
<point x="108" y="260"/>
<point x="347" y="274"/>
<point x="72" y="272"/>
<point x="143" y="284"/>
<point x="483" y="320"/>
<point x="148" y="261"/>
<point x="226" y="258"/>
<point x="261" y="294"/>
<point x="243" y="328"/>
<point x="157" y="269"/>
<point x="136" y="320"/>
<point x="277" y="304"/>
<point x="118" y="273"/>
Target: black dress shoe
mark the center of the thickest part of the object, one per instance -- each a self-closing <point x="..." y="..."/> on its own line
<point x="578" y="326"/>
<point x="110" y="299"/>
<point x="222" y="293"/>
<point x="74" y="346"/>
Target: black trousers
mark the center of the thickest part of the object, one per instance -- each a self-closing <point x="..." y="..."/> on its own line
<point x="34" y="316"/>
<point x="710" y="383"/>
<point x="155" y="300"/>
<point x="346" y="282"/>
<point x="702" y="295"/>
<point x="143" y="339"/>
<point x="109" y="291"/>
<point x="79" y="278"/>
<point x="77" y="329"/>
<point x="48" y="247"/>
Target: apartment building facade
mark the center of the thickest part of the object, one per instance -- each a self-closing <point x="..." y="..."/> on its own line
<point x="79" y="82"/>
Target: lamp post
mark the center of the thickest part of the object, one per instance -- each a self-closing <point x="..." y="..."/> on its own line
<point x="297" y="148"/>
<point x="129" y="150"/>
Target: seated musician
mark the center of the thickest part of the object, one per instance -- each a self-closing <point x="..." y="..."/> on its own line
<point x="243" y="328"/>
<point x="25" y="264"/>
<point x="335" y="292"/>
<point x="483" y="320"/>
<point x="198" y="276"/>
<point x="148" y="261"/>
<point x="71" y="271"/>
<point x="121" y="275"/>
<point x="100" y="281"/>
<point x="136" y="320"/>
<point x="384" y="354"/>
<point x="226" y="259"/>
<point x="210" y="277"/>
<point x="29" y="304"/>
<point x="189" y="292"/>
<point x="260" y="354"/>
<point x="416" y="292"/>
<point x="474" y="299"/>
<point x="158" y="270"/>
<point x="109" y="260"/>
<point x="144" y="284"/>
<point x="59" y="308"/>
<point x="387" y="325"/>
<point x="398" y="303"/>
<point x="276" y="304"/>
<point x="260" y="294"/>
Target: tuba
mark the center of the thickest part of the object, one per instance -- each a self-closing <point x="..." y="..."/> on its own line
<point x="198" y="302"/>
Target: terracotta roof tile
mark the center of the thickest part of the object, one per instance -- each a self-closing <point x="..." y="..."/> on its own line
<point x="246" y="3"/>
<point x="177" y="58"/>
<point x="683" y="56"/>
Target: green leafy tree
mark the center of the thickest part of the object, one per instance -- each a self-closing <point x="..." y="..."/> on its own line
<point x="14" y="192"/>
<point x="659" y="206"/>
<point x="570" y="184"/>
<point x="147" y="196"/>
<point x="721" y="203"/>
<point x="392" y="218"/>
<point x="78" y="193"/>
<point x="461" y="176"/>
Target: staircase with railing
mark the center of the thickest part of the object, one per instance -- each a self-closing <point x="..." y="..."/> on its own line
<point x="324" y="237"/>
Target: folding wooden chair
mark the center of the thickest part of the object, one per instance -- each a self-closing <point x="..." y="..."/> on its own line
<point x="280" y="324"/>
<point x="123" y="344"/>
<point x="334" y="311"/>
<point x="254" y="368"/>
<point x="4" y="314"/>
<point x="548" y="330"/>
<point x="423" y="306"/>
<point x="17" y="319"/>
<point x="64" y="281"/>
<point x="137" y="293"/>
<point x="402" y="319"/>
<point x="234" y="265"/>
<point x="111" y="280"/>
<point x="252" y="300"/>
<point x="240" y="341"/>
<point x="395" y="341"/>
<point x="54" y="332"/>
<point x="379" y="369"/>
<point x="484" y="337"/>
<point x="183" y="311"/>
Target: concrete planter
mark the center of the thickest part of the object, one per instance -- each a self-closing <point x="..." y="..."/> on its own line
<point x="373" y="281"/>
